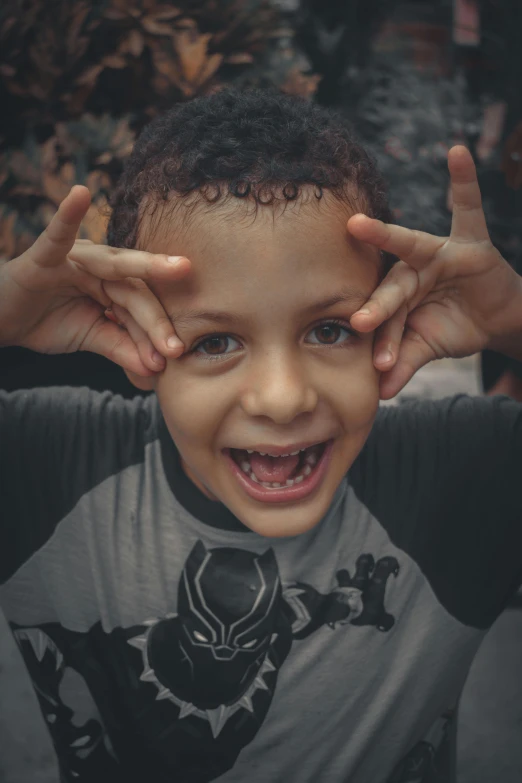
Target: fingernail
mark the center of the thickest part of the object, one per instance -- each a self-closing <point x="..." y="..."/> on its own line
<point x="157" y="357"/>
<point x="173" y="342"/>
<point x="383" y="357"/>
<point x="364" y="311"/>
<point x="174" y="259"/>
<point x="110" y="315"/>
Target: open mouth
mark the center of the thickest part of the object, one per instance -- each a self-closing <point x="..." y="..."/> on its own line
<point x="280" y="478"/>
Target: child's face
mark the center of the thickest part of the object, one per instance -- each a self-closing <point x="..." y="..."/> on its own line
<point x="269" y="371"/>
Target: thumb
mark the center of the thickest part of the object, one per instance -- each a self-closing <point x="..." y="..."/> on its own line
<point x="414" y="353"/>
<point x="53" y="244"/>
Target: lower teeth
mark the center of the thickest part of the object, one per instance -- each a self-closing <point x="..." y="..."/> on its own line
<point x="310" y="462"/>
<point x="276" y="484"/>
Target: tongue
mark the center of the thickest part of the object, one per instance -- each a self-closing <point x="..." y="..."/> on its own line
<point x="277" y="469"/>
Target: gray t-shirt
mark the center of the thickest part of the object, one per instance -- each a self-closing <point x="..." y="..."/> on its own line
<point x="166" y="642"/>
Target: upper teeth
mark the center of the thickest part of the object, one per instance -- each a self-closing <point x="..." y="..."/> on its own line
<point x="266" y="454"/>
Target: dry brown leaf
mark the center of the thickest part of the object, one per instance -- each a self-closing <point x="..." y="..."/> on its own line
<point x="170" y="12"/>
<point x="114" y="61"/>
<point x="57" y="185"/>
<point x="114" y="15"/>
<point x="167" y="67"/>
<point x="48" y="154"/>
<point x="152" y="26"/>
<point x="77" y="43"/>
<point x="90" y="75"/>
<point x="123" y="139"/>
<point x="134" y="43"/>
<point x="241" y="58"/>
<point x="191" y="48"/>
<point x="298" y="83"/>
<point x="97" y="181"/>
<point x="94" y="224"/>
<point x="210" y="67"/>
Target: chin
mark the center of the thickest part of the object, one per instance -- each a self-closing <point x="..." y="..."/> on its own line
<point x="284" y="521"/>
<point x="281" y="528"/>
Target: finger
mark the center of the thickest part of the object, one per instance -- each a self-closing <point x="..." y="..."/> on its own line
<point x="398" y="288"/>
<point x="88" y="284"/>
<point x="387" y="341"/>
<point x="468" y="222"/>
<point x="114" y="263"/>
<point x="53" y="244"/>
<point x="107" y="339"/>
<point x="148" y="354"/>
<point x="414" y="353"/>
<point x="137" y="299"/>
<point x="415" y="247"/>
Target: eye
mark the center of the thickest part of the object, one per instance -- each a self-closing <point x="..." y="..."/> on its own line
<point x="249" y="644"/>
<point x="215" y="346"/>
<point x="199" y="637"/>
<point x="331" y="333"/>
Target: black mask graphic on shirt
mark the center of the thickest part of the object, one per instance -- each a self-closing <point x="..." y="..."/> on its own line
<point x="228" y="603"/>
<point x="81" y="742"/>
<point x="211" y="657"/>
<point x="200" y="682"/>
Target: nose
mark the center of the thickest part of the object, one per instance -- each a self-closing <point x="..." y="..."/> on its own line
<point x="223" y="652"/>
<point x="280" y="389"/>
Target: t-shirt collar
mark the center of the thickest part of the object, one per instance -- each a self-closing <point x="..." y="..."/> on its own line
<point x="211" y="512"/>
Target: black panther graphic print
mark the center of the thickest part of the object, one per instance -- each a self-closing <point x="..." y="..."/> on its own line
<point x="197" y="683"/>
<point x="84" y="745"/>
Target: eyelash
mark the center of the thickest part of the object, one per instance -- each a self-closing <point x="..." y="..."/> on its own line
<point x="213" y="357"/>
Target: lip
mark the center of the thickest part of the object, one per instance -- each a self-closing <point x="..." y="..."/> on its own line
<point x="309" y="485"/>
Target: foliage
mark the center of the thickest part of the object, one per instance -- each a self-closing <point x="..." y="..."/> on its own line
<point x="78" y="81"/>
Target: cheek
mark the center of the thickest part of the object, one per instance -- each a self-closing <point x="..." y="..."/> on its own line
<point x="194" y="410"/>
<point x="355" y="388"/>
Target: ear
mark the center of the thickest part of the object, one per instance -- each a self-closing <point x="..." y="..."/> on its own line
<point x="143" y="383"/>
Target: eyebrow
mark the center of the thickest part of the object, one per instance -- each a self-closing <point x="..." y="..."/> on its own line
<point x="351" y="296"/>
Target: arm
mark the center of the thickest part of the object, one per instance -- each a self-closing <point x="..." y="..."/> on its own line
<point x="57" y="444"/>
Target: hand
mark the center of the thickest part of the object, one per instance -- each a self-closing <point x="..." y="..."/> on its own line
<point x="447" y="296"/>
<point x="54" y="296"/>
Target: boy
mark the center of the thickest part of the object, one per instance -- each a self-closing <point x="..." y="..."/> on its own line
<point x="254" y="574"/>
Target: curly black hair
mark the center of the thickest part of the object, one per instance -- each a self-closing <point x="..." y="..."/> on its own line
<point x="255" y="144"/>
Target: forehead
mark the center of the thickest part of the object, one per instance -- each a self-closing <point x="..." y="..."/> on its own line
<point x="240" y="256"/>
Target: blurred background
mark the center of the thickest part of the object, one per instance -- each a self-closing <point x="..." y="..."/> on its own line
<point x="79" y="80"/>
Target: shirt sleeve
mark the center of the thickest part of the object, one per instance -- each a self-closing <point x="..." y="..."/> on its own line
<point x="445" y="480"/>
<point x="55" y="445"/>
